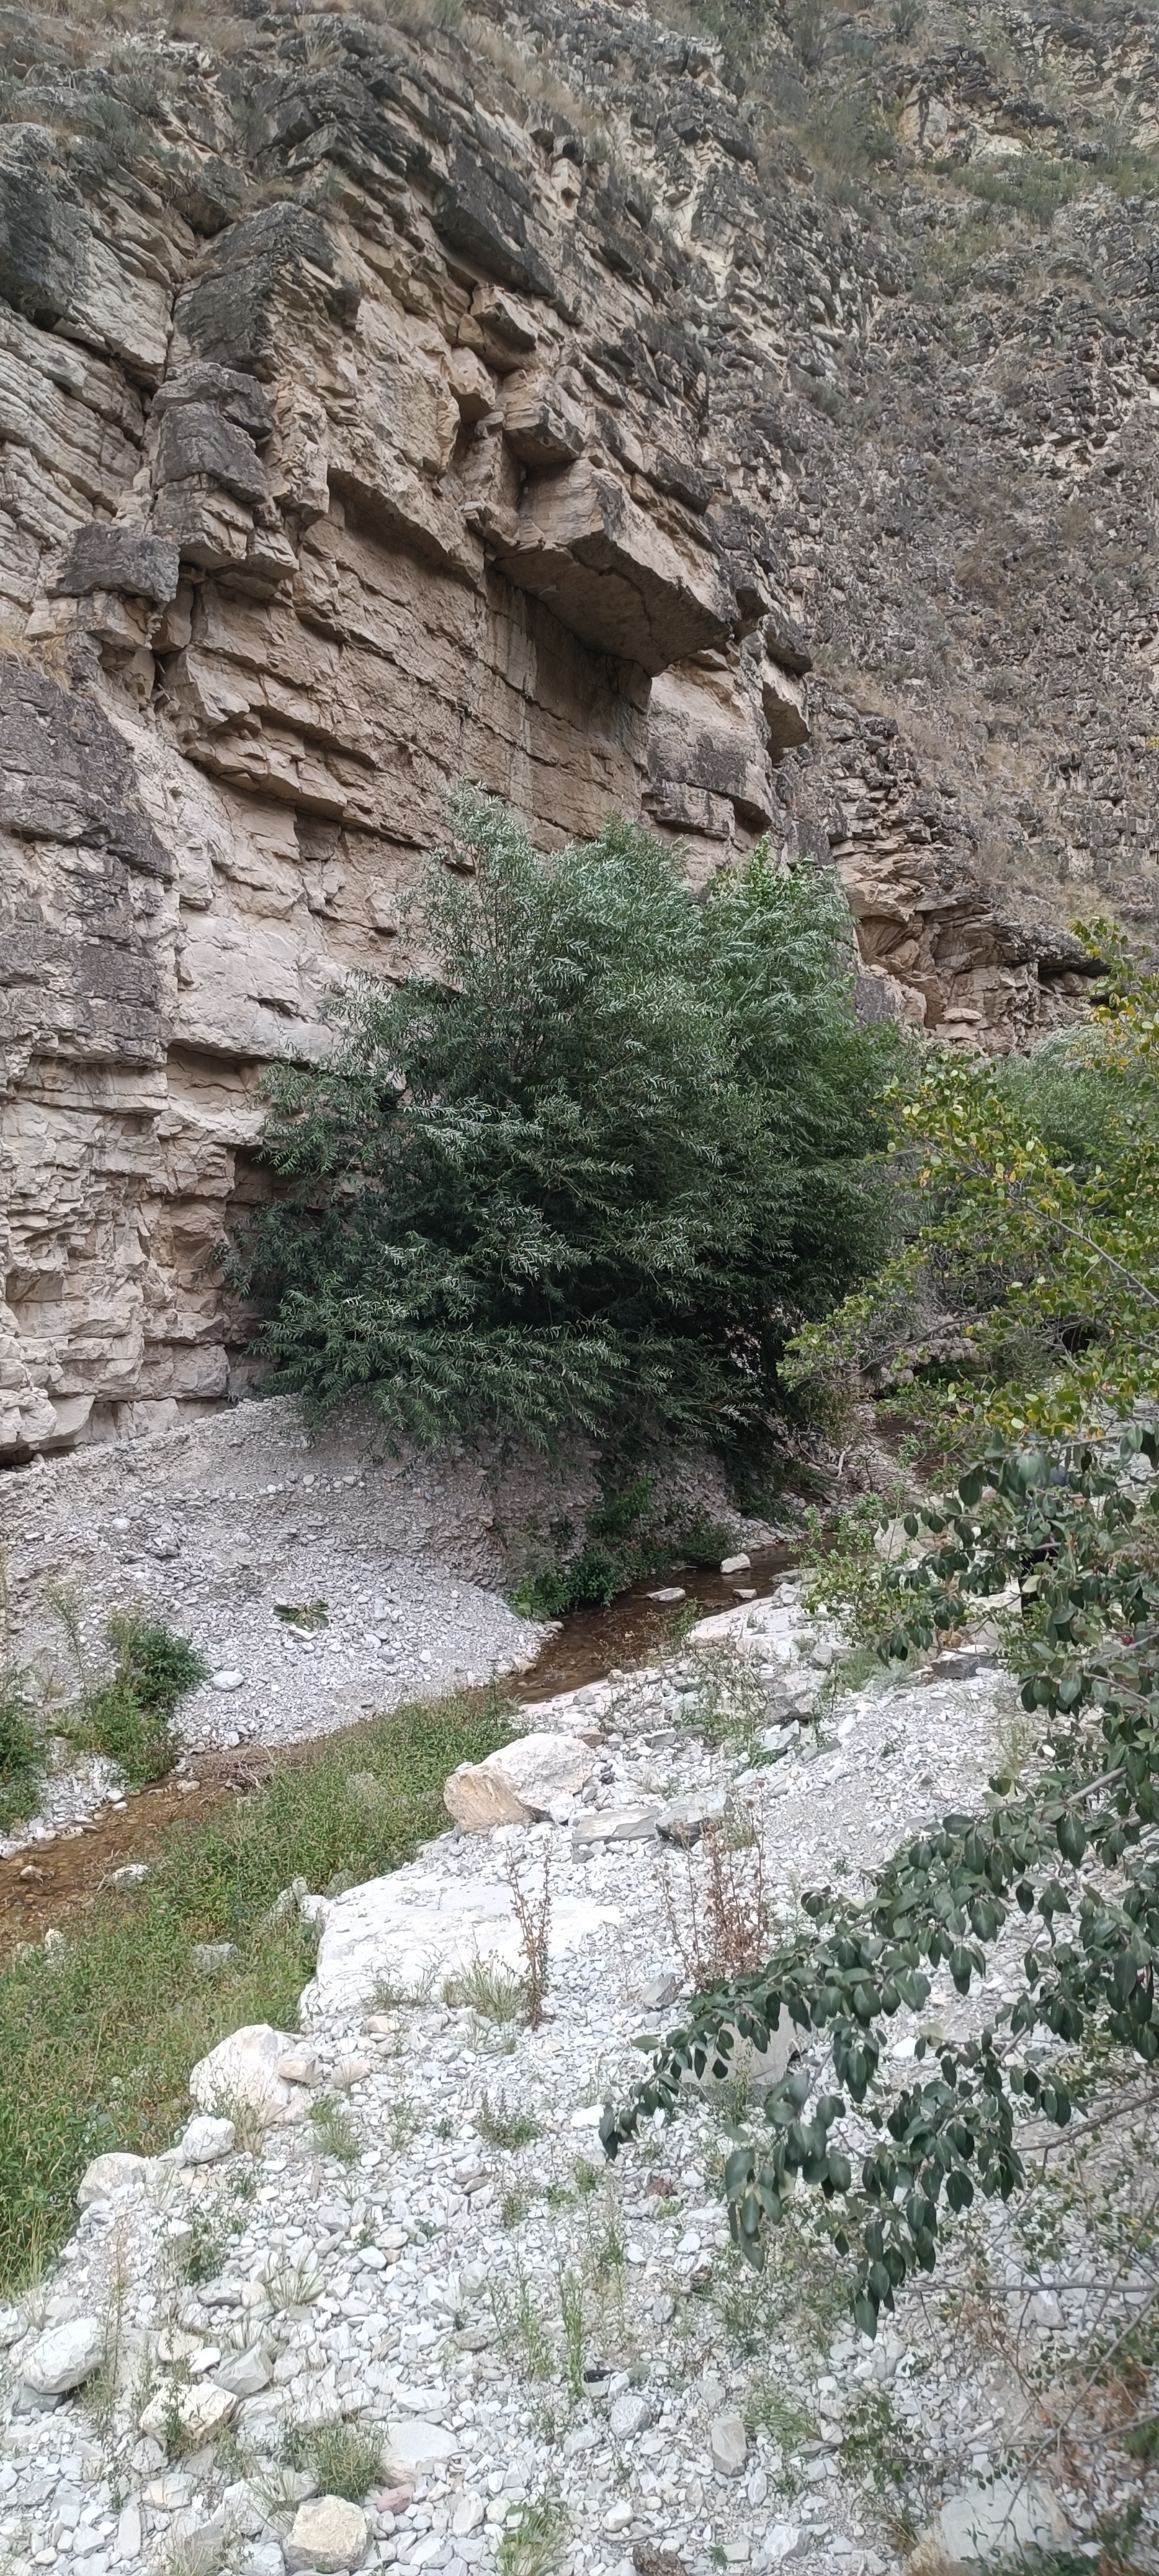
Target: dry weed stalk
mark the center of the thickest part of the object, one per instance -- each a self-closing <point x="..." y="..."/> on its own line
<point x="532" y="1911"/>
<point x="716" y="1904"/>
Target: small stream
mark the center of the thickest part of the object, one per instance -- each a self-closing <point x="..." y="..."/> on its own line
<point x="49" y="1881"/>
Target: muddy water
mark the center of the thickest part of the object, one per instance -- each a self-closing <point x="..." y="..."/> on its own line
<point x="591" y="1643"/>
<point x="50" y="1881"/>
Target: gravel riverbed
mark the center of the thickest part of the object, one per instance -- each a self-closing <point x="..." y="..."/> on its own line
<point x="555" y="2362"/>
<point x="321" y="1579"/>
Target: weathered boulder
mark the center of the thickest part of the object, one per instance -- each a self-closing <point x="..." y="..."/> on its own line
<point x="108" y="2174"/>
<point x="518" y="1783"/>
<point x="617" y="578"/>
<point x="207" y="2140"/>
<point x="728" y="2443"/>
<point x="328" y="2534"/>
<point x="416" y="1924"/>
<point x="102" y="558"/>
<point x="1005" y="2520"/>
<point x="65" y="2357"/>
<point x="243" y="2070"/>
<point x="415" y="2448"/>
<point x="201" y="2409"/>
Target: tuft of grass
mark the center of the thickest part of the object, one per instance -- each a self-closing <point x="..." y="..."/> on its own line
<point x="334" y="2133"/>
<point x="97" y="2039"/>
<point x="502" y="2124"/>
<point x="522" y="2332"/>
<point x="534" y="2538"/>
<point x="291" y="2285"/>
<point x="573" y="2318"/>
<point x="489" y="1989"/>
<point x="403" y="2124"/>
<point x="344" y="2461"/>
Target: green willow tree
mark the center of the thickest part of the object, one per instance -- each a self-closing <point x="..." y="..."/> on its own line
<point x="591" y="1170"/>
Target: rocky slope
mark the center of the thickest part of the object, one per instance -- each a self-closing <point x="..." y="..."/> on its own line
<point x="402" y="2224"/>
<point x="533" y="398"/>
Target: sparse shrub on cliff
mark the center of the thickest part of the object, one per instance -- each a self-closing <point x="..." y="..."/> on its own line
<point x="589" y="1174"/>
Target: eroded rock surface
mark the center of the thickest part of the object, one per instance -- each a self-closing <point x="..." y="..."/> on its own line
<point x="521" y="403"/>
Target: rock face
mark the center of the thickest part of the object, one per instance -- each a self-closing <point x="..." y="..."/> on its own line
<point x="378" y="410"/>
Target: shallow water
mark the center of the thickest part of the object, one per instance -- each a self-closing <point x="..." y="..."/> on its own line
<point x="49" y="1881"/>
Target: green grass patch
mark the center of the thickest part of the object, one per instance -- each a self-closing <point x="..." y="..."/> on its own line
<point x="129" y="1718"/>
<point x="1032" y="185"/>
<point x="21" y="1754"/>
<point x="97" y="2039"/>
<point x="502" y="2124"/>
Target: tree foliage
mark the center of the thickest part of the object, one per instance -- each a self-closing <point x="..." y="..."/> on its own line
<point x="1072" y="1536"/>
<point x="1036" y="1243"/>
<point x="1026" y="1297"/>
<point x="593" y="1168"/>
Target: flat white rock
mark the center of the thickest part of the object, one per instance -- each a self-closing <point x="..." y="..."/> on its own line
<point x="65" y="2357"/>
<point x="728" y="2442"/>
<point x="988" y="2523"/>
<point x="416" y="1923"/>
<point x="614" y="1825"/>
<point x="207" y="2140"/>
<point x="412" y="2447"/>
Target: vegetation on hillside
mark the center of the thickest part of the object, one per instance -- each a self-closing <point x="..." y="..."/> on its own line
<point x="1034" y="1242"/>
<point x="589" y="1172"/>
<point x="97" y="2035"/>
<point x="1026" y="1297"/>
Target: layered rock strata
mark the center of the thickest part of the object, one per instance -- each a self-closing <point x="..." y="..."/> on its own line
<point x="368" y="421"/>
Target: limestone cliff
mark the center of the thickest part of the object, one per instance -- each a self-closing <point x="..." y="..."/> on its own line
<point x="382" y="404"/>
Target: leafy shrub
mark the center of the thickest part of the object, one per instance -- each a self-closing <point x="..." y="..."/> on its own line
<point x="21" y="1754"/>
<point x="623" y="1542"/>
<point x="1026" y="1297"/>
<point x="587" y="1176"/>
<point x="130" y="1717"/>
<point x="1071" y="1850"/>
<point x="344" y="2461"/>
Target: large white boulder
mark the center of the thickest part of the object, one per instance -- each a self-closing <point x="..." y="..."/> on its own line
<point x="418" y="1926"/>
<point x="200" y="2410"/>
<point x="243" y="2070"/>
<point x="987" y="2524"/>
<point x="65" y="2357"/>
<point x="519" y="1783"/>
<point x="107" y="2174"/>
<point x="329" y="2534"/>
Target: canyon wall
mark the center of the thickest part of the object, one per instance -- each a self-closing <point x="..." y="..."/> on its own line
<point x="379" y="409"/>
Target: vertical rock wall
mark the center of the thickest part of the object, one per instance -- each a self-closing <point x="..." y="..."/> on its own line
<point x="360" y="429"/>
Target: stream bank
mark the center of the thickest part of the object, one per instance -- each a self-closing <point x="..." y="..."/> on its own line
<point x="530" y="2348"/>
